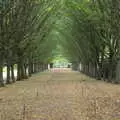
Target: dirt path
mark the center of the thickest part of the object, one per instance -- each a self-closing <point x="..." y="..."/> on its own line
<point x="60" y="95"/>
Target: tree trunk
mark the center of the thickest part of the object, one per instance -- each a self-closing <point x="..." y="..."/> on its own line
<point x="1" y="76"/>
<point x="40" y="67"/>
<point x="8" y="73"/>
<point x="118" y="72"/>
<point x="18" y="72"/>
<point x="25" y="71"/>
<point x="22" y="71"/>
<point x="35" y="68"/>
<point x="31" y="68"/>
<point x="29" y="71"/>
<point x="12" y="73"/>
<point x="96" y="71"/>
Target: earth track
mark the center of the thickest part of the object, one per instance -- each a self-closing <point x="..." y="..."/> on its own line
<point x="60" y="95"/>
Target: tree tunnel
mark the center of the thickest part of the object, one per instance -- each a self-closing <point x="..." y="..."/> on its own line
<point x="34" y="33"/>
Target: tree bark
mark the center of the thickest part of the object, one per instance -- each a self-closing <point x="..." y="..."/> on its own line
<point x="1" y="75"/>
<point x="25" y="71"/>
<point x="118" y="72"/>
<point x="22" y="71"/>
<point x="12" y="73"/>
<point x="30" y="68"/>
<point x="18" y="72"/>
<point x="8" y="73"/>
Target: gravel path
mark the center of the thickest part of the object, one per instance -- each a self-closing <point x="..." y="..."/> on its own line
<point x="60" y="94"/>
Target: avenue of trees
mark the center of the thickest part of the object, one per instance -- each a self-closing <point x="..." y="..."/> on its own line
<point x="88" y="32"/>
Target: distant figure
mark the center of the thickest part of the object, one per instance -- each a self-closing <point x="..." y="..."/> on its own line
<point x="51" y="65"/>
<point x="69" y="66"/>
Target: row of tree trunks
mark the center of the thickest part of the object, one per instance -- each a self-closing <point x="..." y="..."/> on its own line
<point x="109" y="72"/>
<point x="90" y="70"/>
<point x="75" y="66"/>
<point x="10" y="74"/>
<point x="24" y="71"/>
<point x="37" y="67"/>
